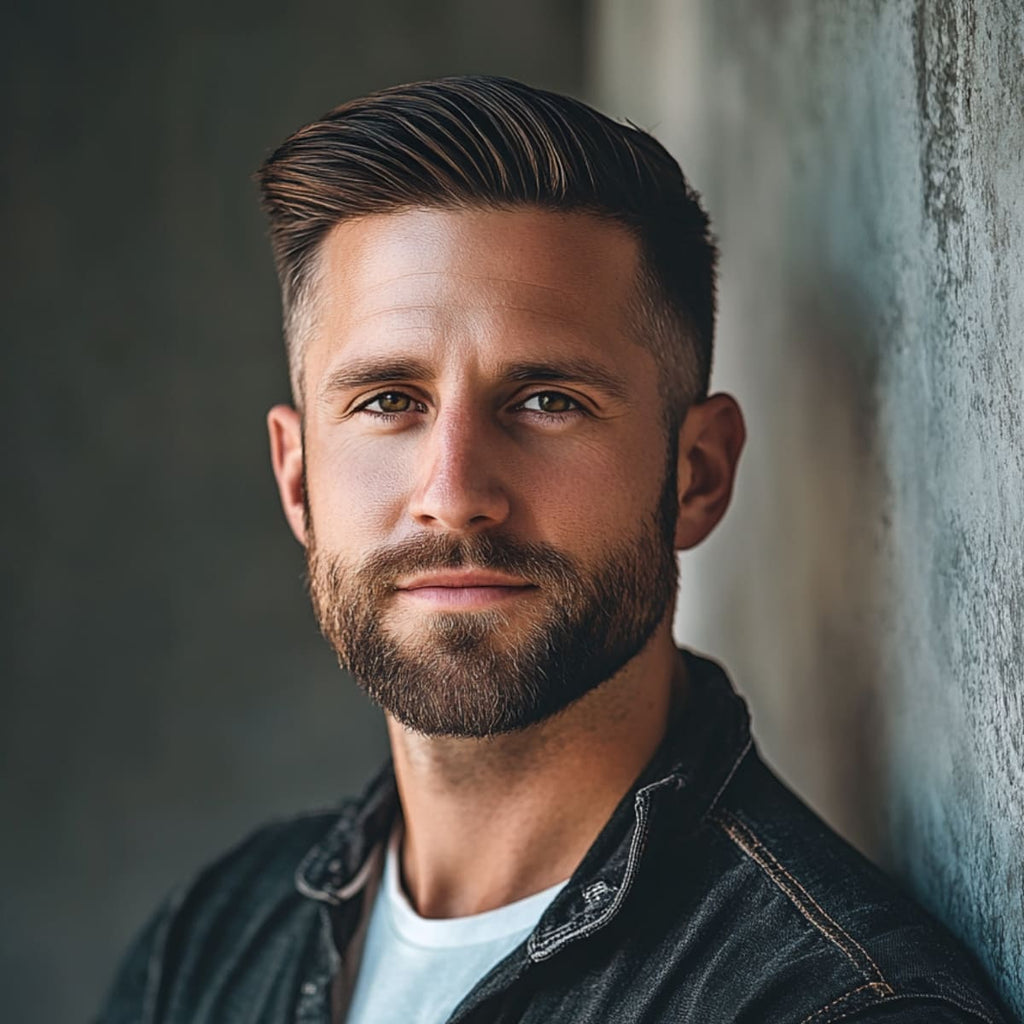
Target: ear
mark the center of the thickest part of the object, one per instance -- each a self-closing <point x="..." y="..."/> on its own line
<point x="285" y="427"/>
<point x="710" y="441"/>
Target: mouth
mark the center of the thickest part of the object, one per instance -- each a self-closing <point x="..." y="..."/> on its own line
<point x="463" y="588"/>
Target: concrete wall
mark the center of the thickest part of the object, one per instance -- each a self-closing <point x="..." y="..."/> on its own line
<point x="863" y="164"/>
<point x="162" y="686"/>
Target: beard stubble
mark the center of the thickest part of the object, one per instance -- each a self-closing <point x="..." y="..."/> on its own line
<point x="486" y="672"/>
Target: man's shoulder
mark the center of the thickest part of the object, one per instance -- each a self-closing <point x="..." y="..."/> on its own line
<point x="790" y="906"/>
<point x="239" y="909"/>
<point x="265" y="861"/>
<point x="258" y="870"/>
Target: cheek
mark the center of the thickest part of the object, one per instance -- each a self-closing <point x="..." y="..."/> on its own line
<point x="356" y="496"/>
<point x="595" y="497"/>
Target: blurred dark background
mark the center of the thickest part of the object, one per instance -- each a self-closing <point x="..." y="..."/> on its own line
<point x="164" y="685"/>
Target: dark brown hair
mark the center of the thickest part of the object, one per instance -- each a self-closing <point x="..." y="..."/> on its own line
<point x="482" y="141"/>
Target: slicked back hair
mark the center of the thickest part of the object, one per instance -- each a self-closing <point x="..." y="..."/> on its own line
<point x="480" y="141"/>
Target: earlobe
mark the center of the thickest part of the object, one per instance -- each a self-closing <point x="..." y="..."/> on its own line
<point x="284" y="426"/>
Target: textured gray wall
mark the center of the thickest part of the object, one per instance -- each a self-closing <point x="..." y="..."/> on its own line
<point x="163" y="686"/>
<point x="863" y="164"/>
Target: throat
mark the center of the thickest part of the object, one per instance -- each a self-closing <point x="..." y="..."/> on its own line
<point x="491" y="821"/>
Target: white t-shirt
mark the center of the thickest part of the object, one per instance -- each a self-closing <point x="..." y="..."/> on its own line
<point x="416" y="970"/>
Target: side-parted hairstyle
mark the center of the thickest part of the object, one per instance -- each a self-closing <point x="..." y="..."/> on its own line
<point x="485" y="142"/>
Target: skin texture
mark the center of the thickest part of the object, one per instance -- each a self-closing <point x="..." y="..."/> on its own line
<point x="464" y="295"/>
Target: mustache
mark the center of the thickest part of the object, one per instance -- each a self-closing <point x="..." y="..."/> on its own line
<point x="541" y="564"/>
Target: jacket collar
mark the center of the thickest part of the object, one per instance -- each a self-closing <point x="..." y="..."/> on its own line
<point x="705" y="743"/>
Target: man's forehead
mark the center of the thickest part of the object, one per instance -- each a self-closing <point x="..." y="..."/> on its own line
<point x="523" y="276"/>
<point x="546" y="256"/>
<point x="448" y="298"/>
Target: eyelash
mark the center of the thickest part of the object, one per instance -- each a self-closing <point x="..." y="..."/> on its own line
<point x="576" y="410"/>
<point x="391" y="417"/>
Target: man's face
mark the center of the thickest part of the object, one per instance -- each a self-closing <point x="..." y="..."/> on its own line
<point x="490" y="489"/>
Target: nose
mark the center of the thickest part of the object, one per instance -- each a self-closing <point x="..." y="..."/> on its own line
<point x="458" y="485"/>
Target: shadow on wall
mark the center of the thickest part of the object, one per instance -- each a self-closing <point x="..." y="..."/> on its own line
<point x="788" y="590"/>
<point x="793" y="612"/>
<point x="833" y="491"/>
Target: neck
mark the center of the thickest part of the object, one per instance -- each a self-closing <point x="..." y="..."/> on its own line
<point x="490" y="821"/>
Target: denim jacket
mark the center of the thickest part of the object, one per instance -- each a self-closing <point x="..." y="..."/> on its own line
<point x="713" y="894"/>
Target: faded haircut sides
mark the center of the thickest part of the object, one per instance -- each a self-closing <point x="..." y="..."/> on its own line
<point x="480" y="141"/>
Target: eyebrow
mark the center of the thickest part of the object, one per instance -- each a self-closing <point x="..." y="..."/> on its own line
<point x="367" y="372"/>
<point x="361" y="373"/>
<point x="570" y="371"/>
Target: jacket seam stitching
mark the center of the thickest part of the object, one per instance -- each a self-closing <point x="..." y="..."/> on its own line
<point x="551" y="942"/>
<point x="835" y="1002"/>
<point x="977" y="1014"/>
<point x="547" y="947"/>
<point x="801" y="898"/>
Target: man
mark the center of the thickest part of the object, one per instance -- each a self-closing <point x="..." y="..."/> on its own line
<point x="499" y="308"/>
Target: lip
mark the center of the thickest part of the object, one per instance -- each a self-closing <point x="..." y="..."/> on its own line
<point x="459" y="579"/>
<point x="464" y="588"/>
